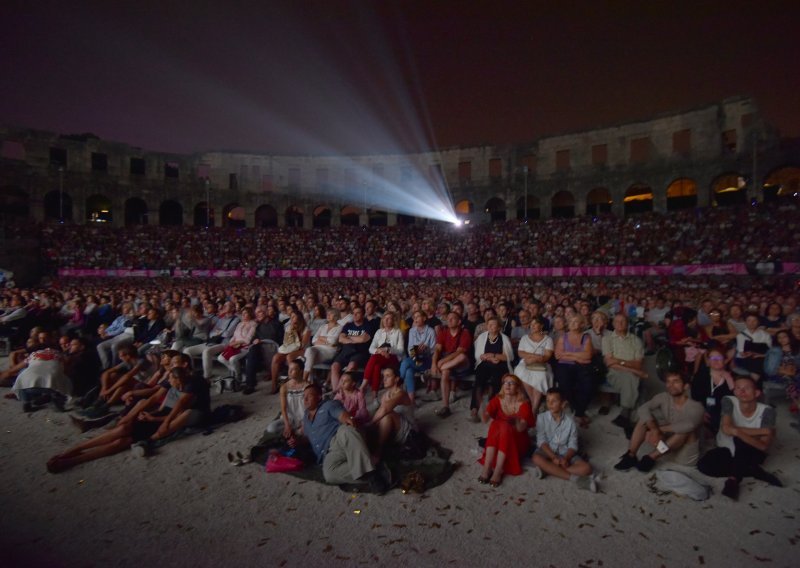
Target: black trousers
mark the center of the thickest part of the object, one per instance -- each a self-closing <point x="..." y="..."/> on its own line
<point x="720" y="463"/>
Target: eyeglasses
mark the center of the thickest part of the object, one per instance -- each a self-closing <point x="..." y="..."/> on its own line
<point x="716" y="358"/>
<point x="509" y="383"/>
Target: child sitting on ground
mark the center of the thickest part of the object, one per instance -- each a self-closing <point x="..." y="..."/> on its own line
<point x="557" y="445"/>
<point x="352" y="399"/>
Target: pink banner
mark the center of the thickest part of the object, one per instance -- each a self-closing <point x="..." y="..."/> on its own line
<point x="530" y="272"/>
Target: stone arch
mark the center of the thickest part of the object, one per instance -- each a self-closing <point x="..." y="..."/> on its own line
<point x="377" y="218"/>
<point x="638" y="199"/>
<point x="322" y="217"/>
<point x="13" y="203"/>
<point x="135" y="212"/>
<point x="496" y="208"/>
<point x="598" y="201"/>
<point x="203" y="215"/>
<point x="266" y="217"/>
<point x="682" y="194"/>
<point x="729" y="188"/>
<point x="534" y="209"/>
<point x="783" y="182"/>
<point x="562" y="204"/>
<point x="294" y="217"/>
<point x="233" y="215"/>
<point x="350" y="216"/>
<point x="57" y="206"/>
<point x="170" y="214"/>
<point x="98" y="209"/>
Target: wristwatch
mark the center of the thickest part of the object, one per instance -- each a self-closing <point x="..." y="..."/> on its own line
<point x="622" y="363"/>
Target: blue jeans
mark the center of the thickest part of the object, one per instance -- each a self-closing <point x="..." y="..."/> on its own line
<point x="407" y="370"/>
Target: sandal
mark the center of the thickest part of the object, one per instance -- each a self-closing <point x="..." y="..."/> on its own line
<point x="483" y="480"/>
<point x="443" y="412"/>
<point x="495" y="484"/>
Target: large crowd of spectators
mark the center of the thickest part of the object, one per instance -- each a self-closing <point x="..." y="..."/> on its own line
<point x="745" y="234"/>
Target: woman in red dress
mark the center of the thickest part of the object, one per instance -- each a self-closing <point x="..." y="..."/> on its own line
<point x="511" y="416"/>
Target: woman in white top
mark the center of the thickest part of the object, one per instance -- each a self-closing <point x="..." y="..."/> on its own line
<point x="493" y="356"/>
<point x="324" y="343"/>
<point x="535" y="350"/>
<point x="386" y="348"/>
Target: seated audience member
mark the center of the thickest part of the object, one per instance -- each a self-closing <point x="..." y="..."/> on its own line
<point x="386" y="348"/>
<point x="19" y="358"/>
<point x="623" y="355"/>
<point x="43" y="379"/>
<point x="711" y="384"/>
<point x="573" y="370"/>
<point x="352" y="398"/>
<point x="118" y="380"/>
<point x="493" y="356"/>
<point x="654" y="323"/>
<point x="773" y="320"/>
<point x="184" y="402"/>
<point x="746" y="432"/>
<point x="195" y="330"/>
<point x="32" y="344"/>
<point x="752" y="345"/>
<point x="269" y="334"/>
<point x="687" y="339"/>
<point x="218" y="338"/>
<point x="451" y="354"/>
<point x="393" y="421"/>
<point x="535" y="351"/>
<point x="509" y="415"/>
<point x="557" y="445"/>
<point x="113" y="336"/>
<point x="597" y="332"/>
<point x="336" y="442"/>
<point x="147" y="329"/>
<point x="82" y="366"/>
<point x="323" y="343"/>
<point x="520" y="330"/>
<point x="421" y="343"/>
<point x="782" y="365"/>
<point x="290" y="422"/>
<point x="720" y="331"/>
<point x="354" y="341"/>
<point x="669" y="424"/>
<point x="240" y="342"/>
<point x="295" y="340"/>
<point x="558" y="327"/>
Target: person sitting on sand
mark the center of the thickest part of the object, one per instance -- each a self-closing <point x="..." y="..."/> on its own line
<point x="353" y="399"/>
<point x="394" y="419"/>
<point x="118" y="380"/>
<point x="186" y="402"/>
<point x="557" y="445"/>
<point x="338" y="445"/>
<point x="507" y="442"/>
<point x="746" y="433"/>
<point x="290" y="422"/>
<point x="669" y="423"/>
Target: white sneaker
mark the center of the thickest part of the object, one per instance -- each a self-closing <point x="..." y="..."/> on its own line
<point x="538" y="473"/>
<point x="139" y="449"/>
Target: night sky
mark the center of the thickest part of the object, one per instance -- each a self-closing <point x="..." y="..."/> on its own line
<point x="357" y="76"/>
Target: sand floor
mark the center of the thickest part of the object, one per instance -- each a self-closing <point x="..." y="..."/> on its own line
<point x="186" y="506"/>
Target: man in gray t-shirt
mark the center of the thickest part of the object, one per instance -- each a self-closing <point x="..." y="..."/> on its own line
<point x="668" y="423"/>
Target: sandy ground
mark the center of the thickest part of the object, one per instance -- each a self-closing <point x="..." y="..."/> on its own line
<point x="187" y="506"/>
